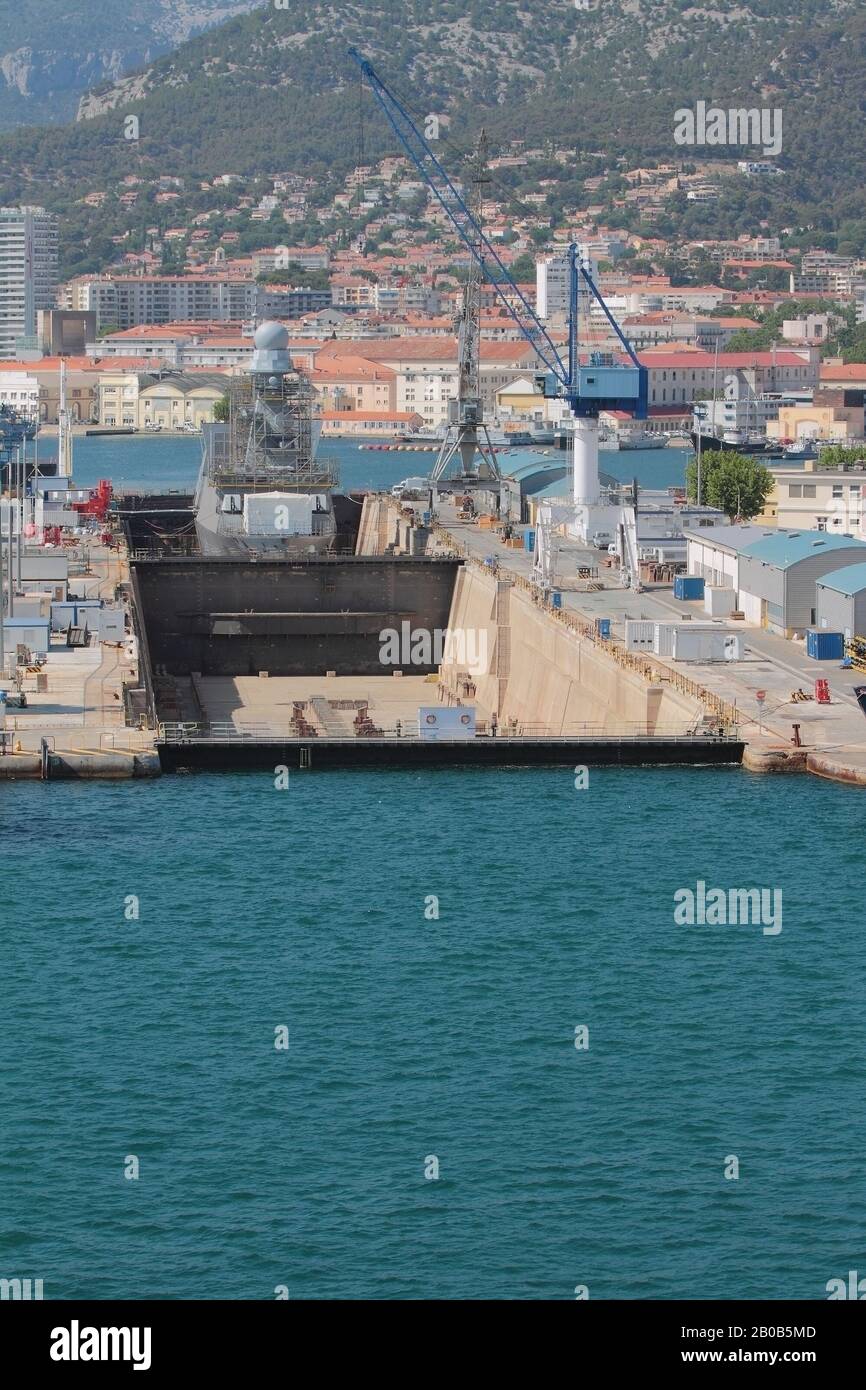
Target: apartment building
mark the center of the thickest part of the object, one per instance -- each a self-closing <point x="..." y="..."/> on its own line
<point x="426" y="370"/>
<point x="350" y="384"/>
<point x="818" y="499"/>
<point x="127" y="302"/>
<point x="28" y="275"/>
<point x="553" y="284"/>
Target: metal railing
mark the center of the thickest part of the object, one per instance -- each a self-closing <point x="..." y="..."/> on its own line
<point x="220" y="732"/>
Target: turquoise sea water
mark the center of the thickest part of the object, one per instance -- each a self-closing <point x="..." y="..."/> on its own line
<point x="143" y="462"/>
<point x="412" y="1037"/>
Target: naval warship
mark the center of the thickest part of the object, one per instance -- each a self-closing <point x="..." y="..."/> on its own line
<point x="262" y="486"/>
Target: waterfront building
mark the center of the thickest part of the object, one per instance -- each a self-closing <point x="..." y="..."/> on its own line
<point x="426" y="370"/>
<point x="82" y="389"/>
<point x="354" y="384"/>
<point x="162" y="399"/>
<point x="370" y="424"/>
<point x="826" y="417"/>
<point x="20" y="390"/>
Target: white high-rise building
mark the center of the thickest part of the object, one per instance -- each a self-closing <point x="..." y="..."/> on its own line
<point x="552" y="284"/>
<point x="28" y="274"/>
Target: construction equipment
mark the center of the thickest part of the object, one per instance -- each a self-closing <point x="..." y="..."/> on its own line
<point x="467" y="439"/>
<point x="588" y="388"/>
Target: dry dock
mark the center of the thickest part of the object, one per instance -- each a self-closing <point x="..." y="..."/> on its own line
<point x="832" y="738"/>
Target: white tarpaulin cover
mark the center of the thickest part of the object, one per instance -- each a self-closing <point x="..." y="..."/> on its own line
<point x="279" y="513"/>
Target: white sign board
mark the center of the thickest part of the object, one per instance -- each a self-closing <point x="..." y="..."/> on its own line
<point x="442" y="722"/>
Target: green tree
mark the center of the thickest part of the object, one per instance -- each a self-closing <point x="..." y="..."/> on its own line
<point x="837" y="456"/>
<point x="737" y="485"/>
<point x="221" y="409"/>
<point x="751" y="340"/>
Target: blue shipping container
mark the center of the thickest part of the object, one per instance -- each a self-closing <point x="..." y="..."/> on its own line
<point x="822" y="645"/>
<point x="688" y="586"/>
<point x="529" y="539"/>
<point x="556" y="598"/>
<point x="602" y="627"/>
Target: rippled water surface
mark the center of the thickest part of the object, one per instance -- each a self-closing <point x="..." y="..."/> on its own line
<point x="412" y="1036"/>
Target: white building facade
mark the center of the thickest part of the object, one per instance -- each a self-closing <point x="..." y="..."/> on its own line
<point x="28" y="274"/>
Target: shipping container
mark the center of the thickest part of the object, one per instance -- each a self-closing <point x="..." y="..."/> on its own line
<point x="556" y="598"/>
<point x="663" y="635"/>
<point x="602" y="627"/>
<point x="688" y="586"/>
<point x="78" y="612"/>
<point x="62" y="616"/>
<point x="823" y="645"/>
<point x="33" y="606"/>
<point x="663" y="638"/>
<point x="719" y="603"/>
<point x="529" y="538"/>
<point x="694" y="642"/>
<point x="32" y="633"/>
<point x="639" y="635"/>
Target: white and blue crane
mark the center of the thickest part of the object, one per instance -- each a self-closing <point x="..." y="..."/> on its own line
<point x="588" y="387"/>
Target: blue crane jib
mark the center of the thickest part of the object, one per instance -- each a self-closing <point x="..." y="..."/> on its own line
<point x="600" y="384"/>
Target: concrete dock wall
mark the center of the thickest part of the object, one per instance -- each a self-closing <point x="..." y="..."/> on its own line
<point x="540" y="672"/>
<point x="228" y="617"/>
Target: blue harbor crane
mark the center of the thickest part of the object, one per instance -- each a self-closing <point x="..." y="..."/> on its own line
<point x="588" y="388"/>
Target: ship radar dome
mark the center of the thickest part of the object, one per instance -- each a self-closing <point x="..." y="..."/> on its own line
<point x="272" y="336"/>
<point x="271" y="354"/>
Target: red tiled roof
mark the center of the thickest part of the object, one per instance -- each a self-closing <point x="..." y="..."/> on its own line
<point x="848" y="371"/>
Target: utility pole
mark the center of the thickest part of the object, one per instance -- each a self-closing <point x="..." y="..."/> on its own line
<point x="64" y="432"/>
<point x="2" y="613"/>
<point x="699" y="412"/>
<point x="21" y="490"/>
<point x="700" y="440"/>
<point x="9" y="552"/>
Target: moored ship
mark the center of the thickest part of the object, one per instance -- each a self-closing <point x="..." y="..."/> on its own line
<point x="262" y="486"/>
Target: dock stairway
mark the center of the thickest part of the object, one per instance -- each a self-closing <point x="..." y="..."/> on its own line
<point x="330" y="720"/>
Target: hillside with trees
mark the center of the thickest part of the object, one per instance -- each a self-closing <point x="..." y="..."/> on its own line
<point x="274" y="91"/>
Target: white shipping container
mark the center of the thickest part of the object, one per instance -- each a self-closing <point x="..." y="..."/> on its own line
<point x="33" y="606"/>
<point x="278" y="513"/>
<point x="694" y="643"/>
<point x="719" y="603"/>
<point x="112" y="625"/>
<point x="663" y="639"/>
<point x="639" y="635"/>
<point x="30" y="633"/>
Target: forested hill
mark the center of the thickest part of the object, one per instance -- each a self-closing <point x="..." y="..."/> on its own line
<point x="274" y="91"/>
<point x="51" y="51"/>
